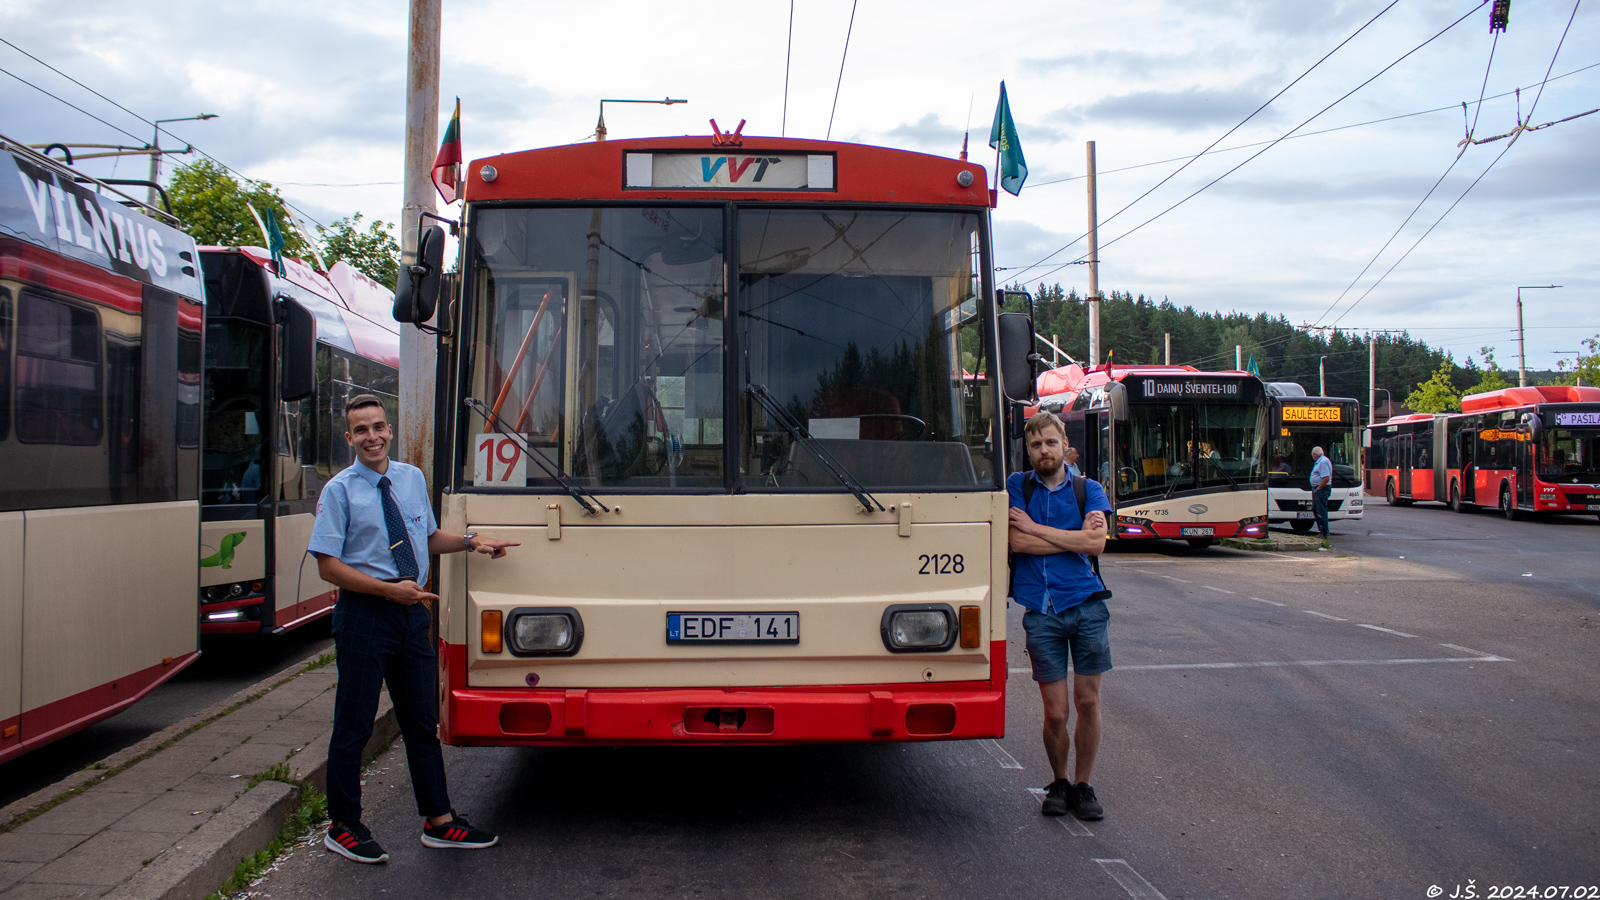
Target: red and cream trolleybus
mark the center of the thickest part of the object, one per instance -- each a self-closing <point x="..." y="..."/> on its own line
<point x="266" y="453"/>
<point x="1180" y="452"/>
<point x="1521" y="450"/>
<point x="101" y="317"/>
<point x="727" y="398"/>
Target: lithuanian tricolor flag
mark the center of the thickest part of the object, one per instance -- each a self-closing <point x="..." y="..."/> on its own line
<point x="447" y="165"/>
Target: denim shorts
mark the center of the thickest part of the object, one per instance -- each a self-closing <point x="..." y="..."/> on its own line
<point x="1081" y="632"/>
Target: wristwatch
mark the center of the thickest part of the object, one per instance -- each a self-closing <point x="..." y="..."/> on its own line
<point x="466" y="539"/>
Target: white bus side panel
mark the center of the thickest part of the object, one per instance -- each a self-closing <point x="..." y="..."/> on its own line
<point x="10" y="620"/>
<point x="110" y="590"/>
<point x="295" y="576"/>
<point x="249" y="560"/>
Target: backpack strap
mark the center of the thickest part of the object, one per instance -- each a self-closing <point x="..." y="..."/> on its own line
<point x="1080" y="492"/>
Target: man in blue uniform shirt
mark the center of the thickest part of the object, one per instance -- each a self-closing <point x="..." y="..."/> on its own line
<point x="1052" y="541"/>
<point x="1321" y="488"/>
<point x="373" y="533"/>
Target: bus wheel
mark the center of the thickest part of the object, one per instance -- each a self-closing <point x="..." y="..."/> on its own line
<point x="1389" y="494"/>
<point x="1300" y="526"/>
<point x="1508" y="504"/>
<point x="1456" y="502"/>
<point x="1201" y="543"/>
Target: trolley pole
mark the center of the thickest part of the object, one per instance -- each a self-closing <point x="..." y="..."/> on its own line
<point x="1094" y="265"/>
<point x="418" y="351"/>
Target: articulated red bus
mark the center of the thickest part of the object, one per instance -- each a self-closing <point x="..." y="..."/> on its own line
<point x="1181" y="453"/>
<point x="1522" y="450"/>
<point x="739" y="404"/>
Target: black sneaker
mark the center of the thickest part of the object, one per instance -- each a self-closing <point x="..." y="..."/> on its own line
<point x="1059" y="797"/>
<point x="1086" y="806"/>
<point x="354" y="842"/>
<point x="457" y="833"/>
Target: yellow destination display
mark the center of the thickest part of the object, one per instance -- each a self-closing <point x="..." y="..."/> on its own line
<point x="1311" y="414"/>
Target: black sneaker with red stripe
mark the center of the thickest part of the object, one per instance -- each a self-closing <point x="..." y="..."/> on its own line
<point x="458" y="834"/>
<point x="354" y="842"/>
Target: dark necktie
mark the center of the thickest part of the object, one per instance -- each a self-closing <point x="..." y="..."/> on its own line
<point x="399" y="541"/>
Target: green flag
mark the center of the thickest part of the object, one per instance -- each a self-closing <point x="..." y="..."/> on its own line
<point x="275" y="242"/>
<point x="1252" y="368"/>
<point x="1003" y="137"/>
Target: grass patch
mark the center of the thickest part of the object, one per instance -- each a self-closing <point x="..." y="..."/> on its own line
<point x="275" y="772"/>
<point x="310" y="814"/>
<point x="109" y="772"/>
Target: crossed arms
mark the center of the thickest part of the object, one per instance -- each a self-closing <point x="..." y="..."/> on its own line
<point x="1028" y="536"/>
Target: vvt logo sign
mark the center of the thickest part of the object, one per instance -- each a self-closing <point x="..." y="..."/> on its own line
<point x="737" y="166"/>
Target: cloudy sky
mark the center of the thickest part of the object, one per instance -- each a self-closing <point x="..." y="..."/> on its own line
<point x="310" y="97"/>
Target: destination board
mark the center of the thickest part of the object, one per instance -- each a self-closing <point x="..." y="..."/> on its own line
<point x="1312" y="414"/>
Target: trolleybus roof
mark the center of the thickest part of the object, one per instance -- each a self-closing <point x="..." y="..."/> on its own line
<point x="1512" y="397"/>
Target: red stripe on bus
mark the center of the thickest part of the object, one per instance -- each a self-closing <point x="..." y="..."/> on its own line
<point x="52" y="721"/>
<point x="27" y="263"/>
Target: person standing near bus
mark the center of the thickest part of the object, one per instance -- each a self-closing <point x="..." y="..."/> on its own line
<point x="373" y="533"/>
<point x="1072" y="462"/>
<point x="1321" y="488"/>
<point x="1066" y="619"/>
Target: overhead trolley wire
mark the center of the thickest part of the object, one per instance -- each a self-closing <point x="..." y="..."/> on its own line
<point x="842" y="57"/>
<point x="1241" y="124"/>
<point x="1507" y="149"/>
<point x="130" y="112"/>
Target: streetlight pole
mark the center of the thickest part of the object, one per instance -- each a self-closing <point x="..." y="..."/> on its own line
<point x="1522" y="356"/>
<point x="600" y="126"/>
<point x="155" y="149"/>
<point x="1322" y="377"/>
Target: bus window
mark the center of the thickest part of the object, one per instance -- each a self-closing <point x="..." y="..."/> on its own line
<point x="855" y="322"/>
<point x="58" y="373"/>
<point x="599" y="338"/>
<point x="1569" y="454"/>
<point x="1231" y="436"/>
<point x="233" y="461"/>
<point x="1155" y="450"/>
<point x="5" y="362"/>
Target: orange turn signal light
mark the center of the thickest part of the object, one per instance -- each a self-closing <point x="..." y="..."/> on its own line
<point x="491" y="631"/>
<point x="970" y="617"/>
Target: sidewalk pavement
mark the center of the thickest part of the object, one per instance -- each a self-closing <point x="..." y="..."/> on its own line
<point x="1275" y="541"/>
<point x="172" y="816"/>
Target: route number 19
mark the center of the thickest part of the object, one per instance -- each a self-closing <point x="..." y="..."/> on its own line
<point x="498" y="462"/>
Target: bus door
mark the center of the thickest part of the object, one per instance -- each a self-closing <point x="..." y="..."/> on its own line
<point x="1469" y="469"/>
<point x="1403" y="465"/>
<point x="1527" y="458"/>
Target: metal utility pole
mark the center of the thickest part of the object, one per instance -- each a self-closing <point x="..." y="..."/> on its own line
<point x="418" y="352"/>
<point x="1238" y="357"/>
<point x="155" y="150"/>
<point x="1055" y="358"/>
<point x="1094" y="265"/>
<point x="1169" y="348"/>
<point x="1322" y="377"/>
<point x="1522" y="356"/>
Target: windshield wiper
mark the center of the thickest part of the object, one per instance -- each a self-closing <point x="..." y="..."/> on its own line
<point x="482" y="409"/>
<point x="783" y="418"/>
<point x="1173" y="485"/>
<point x="1218" y="463"/>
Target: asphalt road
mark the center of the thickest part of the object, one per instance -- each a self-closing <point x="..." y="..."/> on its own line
<point x="1415" y="709"/>
<point x="227" y="664"/>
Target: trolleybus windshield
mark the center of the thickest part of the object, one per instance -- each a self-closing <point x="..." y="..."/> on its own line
<point x="1570" y="454"/>
<point x="599" y="337"/>
<point x="1294" y="448"/>
<point x="1170" y="448"/>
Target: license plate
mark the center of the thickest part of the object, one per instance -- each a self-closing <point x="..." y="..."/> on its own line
<point x="1197" y="532"/>
<point x="1305" y="515"/>
<point x="1594" y="507"/>
<point x="733" y="628"/>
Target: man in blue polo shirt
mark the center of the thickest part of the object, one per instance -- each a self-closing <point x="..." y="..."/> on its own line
<point x="372" y="536"/>
<point x="1052" y="541"/>
<point x="1321" y="488"/>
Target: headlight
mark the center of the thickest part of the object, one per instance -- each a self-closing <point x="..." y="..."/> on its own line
<point x="544" y="631"/>
<point x="908" y="627"/>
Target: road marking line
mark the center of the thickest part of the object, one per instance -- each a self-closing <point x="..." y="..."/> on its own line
<point x="1273" y="602"/>
<point x="1274" y="664"/>
<point x="1000" y="755"/>
<point x="1019" y="671"/>
<point x="1069" y="822"/>
<point x="1385" y="630"/>
<point x="1218" y="590"/>
<point x="1485" y="656"/>
<point x="1131" y="881"/>
<point x="1326" y="616"/>
<point x="1175" y="578"/>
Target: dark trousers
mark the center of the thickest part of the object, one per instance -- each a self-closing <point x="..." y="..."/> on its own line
<point x="1319" y="508"/>
<point x="380" y="641"/>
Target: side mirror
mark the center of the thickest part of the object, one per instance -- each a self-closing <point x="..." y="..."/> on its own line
<point x="1017" y="358"/>
<point x="1118" y="395"/>
<point x="298" y="351"/>
<point x="416" y="292"/>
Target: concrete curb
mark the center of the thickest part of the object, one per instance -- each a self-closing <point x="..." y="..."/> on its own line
<point x="194" y="869"/>
<point x="150" y="744"/>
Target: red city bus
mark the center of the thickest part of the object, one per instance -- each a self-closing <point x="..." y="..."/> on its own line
<point x="739" y="404"/>
<point x="1181" y="453"/>
<point x="1522" y="450"/>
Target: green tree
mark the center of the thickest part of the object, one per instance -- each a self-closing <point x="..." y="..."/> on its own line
<point x="374" y="251"/>
<point x="1493" y="378"/>
<point x="1437" y="394"/>
<point x="1587" y="368"/>
<point x="215" y="208"/>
